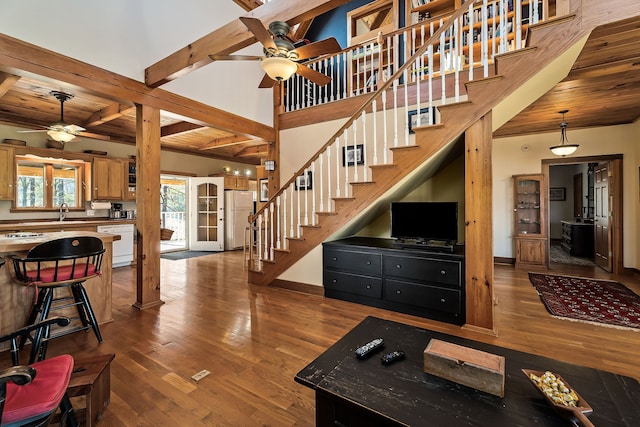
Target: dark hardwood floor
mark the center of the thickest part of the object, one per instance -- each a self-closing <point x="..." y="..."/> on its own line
<point x="254" y="340"/>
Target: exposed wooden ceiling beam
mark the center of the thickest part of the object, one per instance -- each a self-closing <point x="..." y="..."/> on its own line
<point x="256" y="150"/>
<point x="225" y="142"/>
<point x="180" y="127"/>
<point x="6" y="82"/>
<point x="108" y="113"/>
<point x="248" y="5"/>
<point x="232" y="37"/>
<point x="21" y="58"/>
<point x="302" y="29"/>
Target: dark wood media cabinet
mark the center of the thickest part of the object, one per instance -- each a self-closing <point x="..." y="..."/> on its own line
<point x="373" y="272"/>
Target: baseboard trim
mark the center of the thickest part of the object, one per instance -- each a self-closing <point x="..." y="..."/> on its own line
<point x="504" y="260"/>
<point x="298" y="287"/>
<point x="480" y="330"/>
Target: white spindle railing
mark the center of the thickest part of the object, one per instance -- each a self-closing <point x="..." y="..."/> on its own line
<point x="426" y="66"/>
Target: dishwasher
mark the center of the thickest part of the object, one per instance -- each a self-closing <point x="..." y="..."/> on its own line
<point x="123" y="248"/>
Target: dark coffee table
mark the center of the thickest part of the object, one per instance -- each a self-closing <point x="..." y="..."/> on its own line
<point x="353" y="392"/>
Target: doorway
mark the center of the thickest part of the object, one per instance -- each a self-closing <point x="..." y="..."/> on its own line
<point x="173" y="213"/>
<point x="574" y="218"/>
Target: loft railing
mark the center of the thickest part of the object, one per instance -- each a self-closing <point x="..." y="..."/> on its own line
<point x="433" y="74"/>
<point x="359" y="69"/>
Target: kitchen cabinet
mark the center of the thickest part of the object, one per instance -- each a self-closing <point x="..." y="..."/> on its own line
<point x="107" y="179"/>
<point x="7" y="171"/>
<point x="234" y="182"/>
<point x="530" y="229"/>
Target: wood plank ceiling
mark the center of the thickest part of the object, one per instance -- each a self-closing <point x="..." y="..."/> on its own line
<point x="602" y="89"/>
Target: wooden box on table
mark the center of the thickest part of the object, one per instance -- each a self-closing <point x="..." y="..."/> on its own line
<point x="467" y="366"/>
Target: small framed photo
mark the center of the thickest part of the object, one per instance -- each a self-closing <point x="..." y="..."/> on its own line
<point x="264" y="190"/>
<point x="353" y="155"/>
<point x="557" y="194"/>
<point x="304" y="182"/>
<point x="412" y="117"/>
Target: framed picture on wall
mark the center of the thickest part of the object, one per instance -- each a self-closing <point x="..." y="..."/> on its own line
<point x="264" y="190"/>
<point x="304" y="182"/>
<point x="557" y="194"/>
<point x="353" y="155"/>
<point x="412" y="116"/>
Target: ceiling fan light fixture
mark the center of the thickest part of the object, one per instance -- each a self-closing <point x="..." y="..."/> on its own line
<point x="278" y="68"/>
<point x="60" y="135"/>
<point x="564" y="149"/>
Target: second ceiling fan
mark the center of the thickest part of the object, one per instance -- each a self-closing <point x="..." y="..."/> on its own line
<point x="281" y="56"/>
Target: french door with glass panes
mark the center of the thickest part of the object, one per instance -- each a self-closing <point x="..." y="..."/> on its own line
<point x="206" y="214"/>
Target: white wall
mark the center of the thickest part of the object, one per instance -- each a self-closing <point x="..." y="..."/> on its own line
<point x="509" y="159"/>
<point x="125" y="37"/>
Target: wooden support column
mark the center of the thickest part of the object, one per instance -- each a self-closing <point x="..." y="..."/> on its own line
<point x="479" y="225"/>
<point x="148" y="206"/>
<point x="273" y="152"/>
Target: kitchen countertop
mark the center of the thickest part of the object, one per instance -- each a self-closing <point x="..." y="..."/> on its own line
<point x="48" y="224"/>
<point x="15" y="244"/>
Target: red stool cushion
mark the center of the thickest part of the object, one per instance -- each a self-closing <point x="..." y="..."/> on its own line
<point x="43" y="394"/>
<point x="64" y="273"/>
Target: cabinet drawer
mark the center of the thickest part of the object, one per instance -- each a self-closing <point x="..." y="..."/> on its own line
<point x="360" y="262"/>
<point x="423" y="269"/>
<point x="430" y="297"/>
<point x="353" y="284"/>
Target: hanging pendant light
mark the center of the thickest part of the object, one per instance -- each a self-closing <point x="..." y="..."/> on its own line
<point x="564" y="149"/>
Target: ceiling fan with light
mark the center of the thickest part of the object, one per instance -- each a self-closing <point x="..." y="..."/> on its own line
<point x="60" y="131"/>
<point x="281" y="57"/>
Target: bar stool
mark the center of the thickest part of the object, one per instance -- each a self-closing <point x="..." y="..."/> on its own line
<point x="66" y="262"/>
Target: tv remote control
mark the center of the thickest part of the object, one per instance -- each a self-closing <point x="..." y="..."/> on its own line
<point x="389" y="358"/>
<point x="366" y="350"/>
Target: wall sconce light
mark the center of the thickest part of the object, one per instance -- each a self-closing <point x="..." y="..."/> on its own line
<point x="247" y="172"/>
<point x="236" y="172"/>
<point x="564" y="149"/>
<point x="269" y="165"/>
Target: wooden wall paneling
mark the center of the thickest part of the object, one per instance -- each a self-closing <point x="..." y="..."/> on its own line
<point x="479" y="224"/>
<point x="148" y="206"/>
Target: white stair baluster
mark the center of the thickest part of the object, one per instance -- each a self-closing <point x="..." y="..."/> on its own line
<point x="259" y="242"/>
<point x="266" y="231"/>
<point x="272" y="226"/>
<point x="337" y="145"/>
<point x="329" y="205"/>
<point x="374" y="107"/>
<point x="313" y="194"/>
<point x="364" y="145"/>
<point x="395" y="113"/>
<point x="306" y="196"/>
<point x="278" y="219"/>
<point x="321" y="180"/>
<point x="291" y="214"/>
<point x="284" y="220"/>
<point x="346" y="170"/>
<point x="298" y="229"/>
<point x="406" y="107"/>
<point x="355" y="142"/>
<point x="384" y="128"/>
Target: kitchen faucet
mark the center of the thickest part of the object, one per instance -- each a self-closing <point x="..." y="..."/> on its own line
<point x="64" y="210"/>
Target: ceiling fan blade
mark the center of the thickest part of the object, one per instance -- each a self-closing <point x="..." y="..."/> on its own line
<point x="318" y="48"/>
<point x="257" y="28"/>
<point x="267" y="82"/>
<point x="94" y="136"/>
<point x="73" y="129"/>
<point x="235" y="57"/>
<point x="316" y="77"/>
<point x="31" y="131"/>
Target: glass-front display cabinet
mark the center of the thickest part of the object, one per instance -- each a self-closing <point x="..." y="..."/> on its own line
<point x="530" y="230"/>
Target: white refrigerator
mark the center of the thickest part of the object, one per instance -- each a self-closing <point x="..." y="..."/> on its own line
<point x="238" y="205"/>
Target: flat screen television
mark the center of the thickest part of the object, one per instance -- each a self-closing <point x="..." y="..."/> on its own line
<point x="425" y="221"/>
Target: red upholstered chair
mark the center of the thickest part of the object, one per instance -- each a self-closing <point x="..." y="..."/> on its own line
<point x="30" y="395"/>
<point x="61" y="263"/>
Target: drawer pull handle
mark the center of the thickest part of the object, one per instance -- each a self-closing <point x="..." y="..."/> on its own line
<point x="398" y="291"/>
<point x="368" y="286"/>
<point x="398" y="266"/>
<point x="335" y="259"/>
<point x="443" y="272"/>
<point x="334" y="281"/>
<point x="443" y="300"/>
<point x="368" y="262"/>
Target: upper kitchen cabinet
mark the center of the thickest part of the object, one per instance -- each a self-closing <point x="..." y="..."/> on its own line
<point x="7" y="178"/>
<point x="107" y="179"/>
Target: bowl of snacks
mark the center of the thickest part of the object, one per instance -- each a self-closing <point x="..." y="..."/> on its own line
<point x="564" y="399"/>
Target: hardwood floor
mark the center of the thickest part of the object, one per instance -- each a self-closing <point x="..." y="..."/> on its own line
<point x="254" y="340"/>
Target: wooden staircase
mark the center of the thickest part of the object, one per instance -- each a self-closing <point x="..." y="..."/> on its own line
<point x="546" y="42"/>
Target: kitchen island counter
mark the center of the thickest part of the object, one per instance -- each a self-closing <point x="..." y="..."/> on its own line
<point x="16" y="302"/>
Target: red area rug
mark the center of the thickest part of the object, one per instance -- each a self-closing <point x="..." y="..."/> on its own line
<point x="589" y="300"/>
